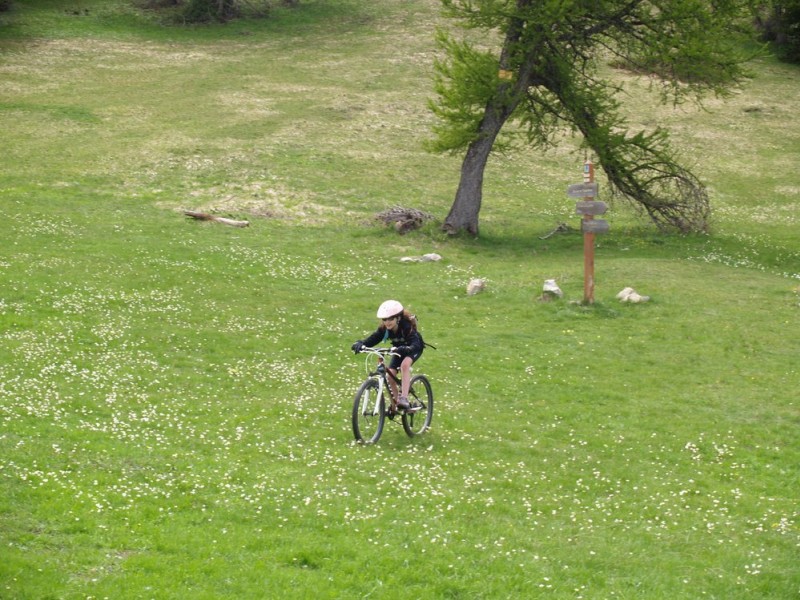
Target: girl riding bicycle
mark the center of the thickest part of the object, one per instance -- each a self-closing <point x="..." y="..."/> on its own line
<point x="399" y="327"/>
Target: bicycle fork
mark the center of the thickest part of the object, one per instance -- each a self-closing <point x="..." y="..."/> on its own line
<point x="376" y="409"/>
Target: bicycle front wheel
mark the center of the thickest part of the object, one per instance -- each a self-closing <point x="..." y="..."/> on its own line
<point x="417" y="419"/>
<point x="369" y="412"/>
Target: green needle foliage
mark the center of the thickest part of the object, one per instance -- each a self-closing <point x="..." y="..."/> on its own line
<point x="545" y="77"/>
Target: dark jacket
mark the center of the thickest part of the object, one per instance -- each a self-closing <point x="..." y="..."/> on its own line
<point x="405" y="338"/>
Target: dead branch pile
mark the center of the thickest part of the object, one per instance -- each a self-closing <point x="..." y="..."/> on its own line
<point x="403" y="219"/>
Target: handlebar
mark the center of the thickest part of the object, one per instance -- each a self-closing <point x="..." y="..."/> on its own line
<point x="380" y="354"/>
<point x="378" y="351"/>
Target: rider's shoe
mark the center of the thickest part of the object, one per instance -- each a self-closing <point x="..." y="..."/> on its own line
<point x="402" y="403"/>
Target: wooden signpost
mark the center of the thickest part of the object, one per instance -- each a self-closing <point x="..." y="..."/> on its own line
<point x="587" y="207"/>
<point x="594" y="226"/>
<point x="590" y="207"/>
<point x="582" y="190"/>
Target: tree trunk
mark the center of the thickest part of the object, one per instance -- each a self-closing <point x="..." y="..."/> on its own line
<point x="463" y="215"/>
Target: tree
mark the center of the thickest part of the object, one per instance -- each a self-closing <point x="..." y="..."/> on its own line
<point x="546" y="78"/>
<point x="778" y="21"/>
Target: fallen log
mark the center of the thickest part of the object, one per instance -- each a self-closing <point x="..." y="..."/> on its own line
<point x="200" y="216"/>
<point x="562" y="228"/>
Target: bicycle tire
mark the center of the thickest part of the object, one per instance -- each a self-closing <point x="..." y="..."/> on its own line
<point x="368" y="425"/>
<point x="418" y="420"/>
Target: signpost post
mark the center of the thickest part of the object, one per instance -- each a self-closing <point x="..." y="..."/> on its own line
<point x="587" y="207"/>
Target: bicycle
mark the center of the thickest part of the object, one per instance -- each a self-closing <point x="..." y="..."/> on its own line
<point x="374" y="395"/>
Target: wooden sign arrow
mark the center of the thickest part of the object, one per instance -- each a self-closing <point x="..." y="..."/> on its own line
<point x="594" y="226"/>
<point x="582" y="190"/>
<point x="591" y="207"/>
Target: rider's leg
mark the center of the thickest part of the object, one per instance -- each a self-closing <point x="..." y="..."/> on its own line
<point x="393" y="385"/>
<point x="405" y="382"/>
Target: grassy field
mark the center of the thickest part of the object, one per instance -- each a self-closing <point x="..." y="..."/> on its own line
<point x="175" y="395"/>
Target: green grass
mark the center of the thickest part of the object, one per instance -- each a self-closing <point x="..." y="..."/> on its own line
<point x="175" y="395"/>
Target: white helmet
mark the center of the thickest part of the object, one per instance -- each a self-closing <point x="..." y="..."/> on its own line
<point x="390" y="308"/>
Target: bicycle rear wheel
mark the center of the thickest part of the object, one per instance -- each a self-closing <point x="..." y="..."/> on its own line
<point x="369" y="412"/>
<point x="417" y="419"/>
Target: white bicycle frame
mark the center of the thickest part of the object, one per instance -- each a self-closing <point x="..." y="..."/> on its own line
<point x="381" y="377"/>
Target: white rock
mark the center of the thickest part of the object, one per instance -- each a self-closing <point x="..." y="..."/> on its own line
<point x="551" y="287"/>
<point x="625" y="293"/>
<point x="475" y="286"/>
<point x="432" y="257"/>
<point x="631" y="295"/>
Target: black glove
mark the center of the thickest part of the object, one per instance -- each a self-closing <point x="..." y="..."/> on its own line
<point x="358" y="347"/>
<point x="401" y="349"/>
